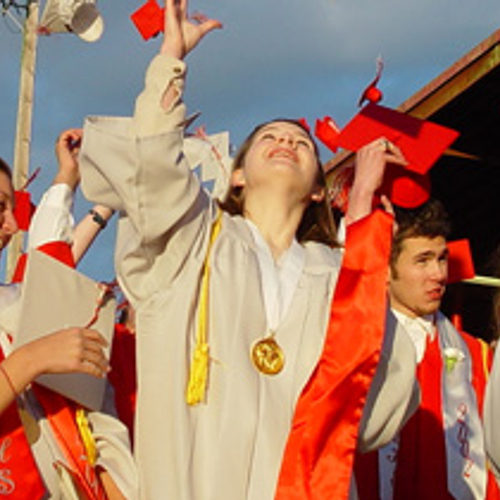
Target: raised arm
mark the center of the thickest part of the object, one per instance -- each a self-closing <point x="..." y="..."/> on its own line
<point x="371" y="161"/>
<point x="182" y="34"/>
<point x="53" y="220"/>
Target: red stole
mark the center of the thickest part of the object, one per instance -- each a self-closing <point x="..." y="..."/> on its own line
<point x="421" y="462"/>
<point x="123" y="375"/>
<point x="421" y="467"/>
<point x="19" y="477"/>
<point x="318" y="458"/>
<point x="61" y="414"/>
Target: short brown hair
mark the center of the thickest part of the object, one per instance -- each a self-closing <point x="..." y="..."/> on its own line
<point x="429" y="220"/>
<point x="317" y="223"/>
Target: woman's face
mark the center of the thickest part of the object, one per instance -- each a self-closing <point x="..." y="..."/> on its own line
<point x="281" y="151"/>
<point x="8" y="224"/>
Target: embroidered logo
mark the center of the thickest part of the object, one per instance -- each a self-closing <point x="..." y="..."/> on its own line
<point x="463" y="439"/>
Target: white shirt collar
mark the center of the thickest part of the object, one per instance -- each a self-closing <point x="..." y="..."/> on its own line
<point x="418" y="329"/>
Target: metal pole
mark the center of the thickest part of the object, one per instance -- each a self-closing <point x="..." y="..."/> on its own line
<point x="24" y="121"/>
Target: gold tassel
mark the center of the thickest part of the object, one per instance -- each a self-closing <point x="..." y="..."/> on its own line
<point x="198" y="375"/>
<point x="86" y="435"/>
<point x="198" y="372"/>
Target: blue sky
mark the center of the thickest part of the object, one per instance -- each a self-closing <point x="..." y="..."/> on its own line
<point x="293" y="58"/>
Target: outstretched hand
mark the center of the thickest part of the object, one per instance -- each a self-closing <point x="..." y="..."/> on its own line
<point x="67" y="149"/>
<point x="371" y="162"/>
<point x="182" y="32"/>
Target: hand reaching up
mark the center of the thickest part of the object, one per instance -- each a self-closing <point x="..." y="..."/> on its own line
<point x="371" y="162"/>
<point x="182" y="33"/>
<point x="67" y="148"/>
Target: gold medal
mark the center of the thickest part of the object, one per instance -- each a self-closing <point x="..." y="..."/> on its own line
<point x="267" y="356"/>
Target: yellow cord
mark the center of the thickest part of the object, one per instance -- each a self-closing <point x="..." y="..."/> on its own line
<point x="86" y="435"/>
<point x="198" y="373"/>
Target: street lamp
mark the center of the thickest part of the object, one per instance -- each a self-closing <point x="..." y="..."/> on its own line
<point x="80" y="17"/>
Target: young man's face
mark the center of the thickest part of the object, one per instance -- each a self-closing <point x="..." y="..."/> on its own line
<point x="418" y="278"/>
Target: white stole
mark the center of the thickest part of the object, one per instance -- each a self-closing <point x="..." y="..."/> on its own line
<point x="463" y="431"/>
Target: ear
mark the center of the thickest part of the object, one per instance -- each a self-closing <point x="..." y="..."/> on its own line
<point x="237" y="178"/>
<point x="318" y="195"/>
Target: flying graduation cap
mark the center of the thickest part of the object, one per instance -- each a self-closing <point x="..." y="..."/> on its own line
<point x="148" y="19"/>
<point x="80" y="17"/>
<point x="460" y="261"/>
<point x="422" y="143"/>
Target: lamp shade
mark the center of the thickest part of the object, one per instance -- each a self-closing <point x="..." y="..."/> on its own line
<point x="73" y="16"/>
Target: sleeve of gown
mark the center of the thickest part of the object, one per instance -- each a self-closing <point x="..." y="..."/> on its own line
<point x="394" y="393"/>
<point x="52" y="220"/>
<point x="492" y="416"/>
<point x="136" y="165"/>
<point x="113" y="447"/>
<point x="115" y="457"/>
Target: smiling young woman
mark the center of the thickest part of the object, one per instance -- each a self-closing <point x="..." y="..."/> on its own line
<point x="232" y="300"/>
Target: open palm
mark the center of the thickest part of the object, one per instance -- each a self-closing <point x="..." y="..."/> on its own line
<point x="182" y="33"/>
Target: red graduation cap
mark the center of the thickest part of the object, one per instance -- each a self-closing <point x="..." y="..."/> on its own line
<point x="304" y="123"/>
<point x="23" y="209"/>
<point x="405" y="188"/>
<point x="422" y="142"/>
<point x="460" y="263"/>
<point x="327" y="131"/>
<point x="148" y="19"/>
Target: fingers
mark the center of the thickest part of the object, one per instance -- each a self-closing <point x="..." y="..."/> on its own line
<point x="92" y="357"/>
<point x="77" y="350"/>
<point x="391" y="152"/>
<point x="182" y="8"/>
<point x="389" y="208"/>
<point x="209" y="25"/>
<point x="70" y="139"/>
<point x="387" y="205"/>
<point x="183" y="33"/>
